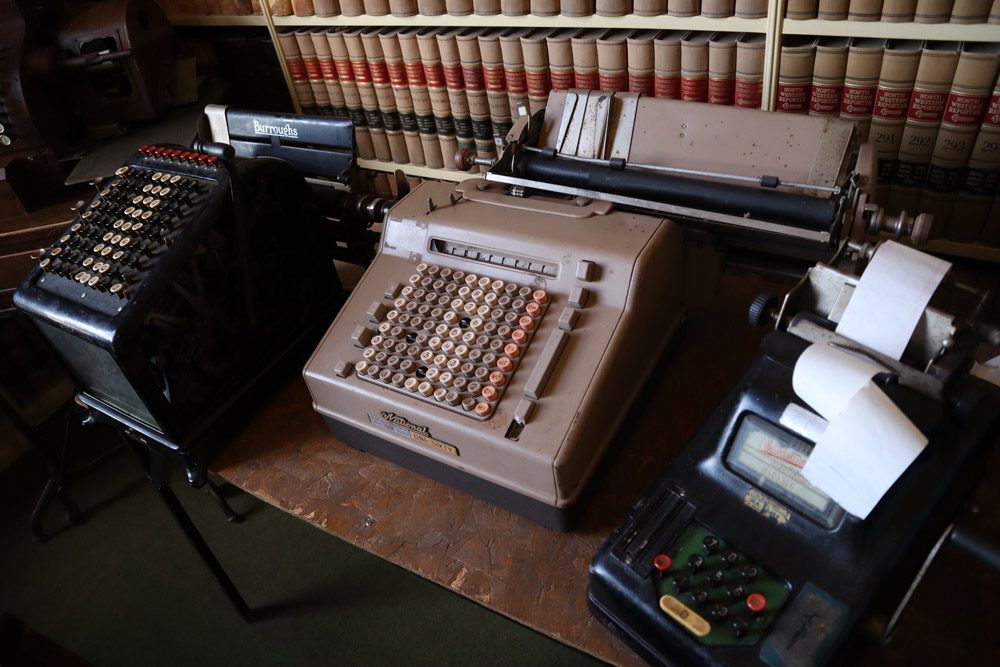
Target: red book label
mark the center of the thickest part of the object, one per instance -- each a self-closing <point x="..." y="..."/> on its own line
<point x="361" y="72"/>
<point x="495" y="79"/>
<point x="891" y="104"/>
<point x="517" y="81"/>
<point x="964" y="110"/>
<point x="927" y="105"/>
<point x="312" y="67"/>
<point x="641" y="83"/>
<point x="379" y="71"/>
<point x="397" y="73"/>
<point x="992" y="116"/>
<point x="538" y="82"/>
<point x="434" y="74"/>
<point x="667" y="86"/>
<point x="344" y="70"/>
<point x="720" y="91"/>
<point x="562" y="79"/>
<point x="473" y="75"/>
<point x="328" y="68"/>
<point x="586" y="80"/>
<point x="694" y="90"/>
<point x="415" y="74"/>
<point x="793" y="98"/>
<point x="296" y="68"/>
<point x="857" y="101"/>
<point x="614" y="82"/>
<point x="824" y="100"/>
<point x="453" y="77"/>
<point x="749" y="94"/>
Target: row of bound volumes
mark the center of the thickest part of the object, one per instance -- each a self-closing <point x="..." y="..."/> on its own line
<point x="896" y="11"/>
<point x="417" y="95"/>
<point x="208" y="7"/>
<point x="575" y="8"/>
<point x="931" y="109"/>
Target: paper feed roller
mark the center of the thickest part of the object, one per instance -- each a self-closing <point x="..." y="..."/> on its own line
<point x="796" y="179"/>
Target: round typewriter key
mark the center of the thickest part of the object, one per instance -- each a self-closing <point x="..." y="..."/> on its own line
<point x="76" y="226"/>
<point x="392" y="316"/>
<point x="711" y="544"/>
<point x="730" y="558"/>
<point x="406" y="366"/>
<point x="469" y="308"/>
<point x="482" y="374"/>
<point x="441" y="361"/>
<point x="450" y="289"/>
<point x="526" y="323"/>
<point x="719" y="612"/>
<point x="428" y="325"/>
<point x="464" y="292"/>
<point x="445" y="272"/>
<point x="400" y="349"/>
<point x="406" y="291"/>
<point x="458" y="276"/>
<point x="517" y="305"/>
<point x="454" y="364"/>
<point x="55" y="251"/>
<point x="518" y="336"/>
<point x="455" y="334"/>
<point x="510" y="317"/>
<point x="126" y="226"/>
<point x="696" y="562"/>
<point x="452" y="397"/>
<point x="137" y="199"/>
<point x="469" y="404"/>
<point x="87" y="262"/>
<point x="524" y="292"/>
<point x="540" y="296"/>
<point x="700" y="596"/>
<point x="457" y="304"/>
<point x="451" y="318"/>
<point x="505" y="364"/>
<point x="108" y="236"/>
<point x="471" y="279"/>
<point x="399" y="303"/>
<point x="438" y="285"/>
<point x="489" y="359"/>
<point x="423" y="310"/>
<point x="411" y="384"/>
<point x="483" y="311"/>
<point x="426" y="282"/>
<point x="533" y="309"/>
<point x="118" y="255"/>
<point x="475" y="355"/>
<point x="510" y="289"/>
<point x="436" y="313"/>
<point x="398" y="379"/>
<point x="404" y="318"/>
<point x="174" y="179"/>
<point x="121" y="170"/>
<point x="440" y="393"/>
<point x="421" y="268"/>
<point x="368" y="353"/>
<point x="116" y="288"/>
<point x="497" y="285"/>
<point x="136" y="226"/>
<point x="484" y="283"/>
<point x="393" y="361"/>
<point x="154" y="203"/>
<point x="490" y="299"/>
<point x="137" y="212"/>
<point x="662" y="562"/>
<point x="381" y="357"/>
<point x="427" y="356"/>
<point x="756" y="602"/>
<point x="498" y="378"/>
<point x="154" y="189"/>
<point x="447" y="347"/>
<point x="385" y="375"/>
<point x="490" y="328"/>
<point x="414" y="279"/>
<point x="117" y="224"/>
<point x="459" y="383"/>
<point x="432" y="374"/>
<point x="474" y="387"/>
<point x="503" y="302"/>
<point x="396" y="331"/>
<point x="164" y="192"/>
<point x="446" y="377"/>
<point x="476" y="323"/>
<point x="376" y="340"/>
<point x="496" y="345"/>
<point x="477" y="295"/>
<point x="146" y="200"/>
<point x="483" y="408"/>
<point x="433" y="270"/>
<point x="146" y="215"/>
<point x="442" y="330"/>
<point x="45" y="262"/>
<point x="106" y="250"/>
<point x="490" y="393"/>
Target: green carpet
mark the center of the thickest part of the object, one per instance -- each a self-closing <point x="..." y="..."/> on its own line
<point x="125" y="587"/>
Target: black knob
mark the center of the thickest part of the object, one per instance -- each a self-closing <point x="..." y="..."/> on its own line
<point x="739" y="628"/>
<point x="682" y="582"/>
<point x="737" y="593"/>
<point x="761" y="309"/>
<point x="695" y="562"/>
<point x="717" y="577"/>
<point x="730" y="558"/>
<point x="711" y="544"/>
<point x="749" y="573"/>
<point x="719" y="612"/>
<point x="700" y="596"/>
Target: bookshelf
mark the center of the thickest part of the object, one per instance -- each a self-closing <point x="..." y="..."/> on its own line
<point x="975" y="32"/>
<point x="631" y="21"/>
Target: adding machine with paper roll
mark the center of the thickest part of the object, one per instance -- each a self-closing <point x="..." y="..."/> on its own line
<point x="507" y="323"/>
<point x="804" y="512"/>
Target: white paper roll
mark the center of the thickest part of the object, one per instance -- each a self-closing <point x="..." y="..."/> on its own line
<point x="891" y="297"/>
<point x="827" y="377"/>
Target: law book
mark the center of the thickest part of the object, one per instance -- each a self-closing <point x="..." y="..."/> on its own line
<point x="300" y="7"/>
<point x="694" y="66"/>
<point x="649" y="7"/>
<point x="975" y="76"/>
<point x="458" y="7"/>
<point x="970" y="11"/>
<point x="475" y="90"/>
<point x="613" y="7"/>
<point x="751" y="9"/>
<point x="451" y="62"/>
<point x="496" y="83"/>
<point x="278" y="7"/>
<point x="559" y="50"/>
<point x="923" y="118"/>
<point x="376" y="7"/>
<point x="384" y="96"/>
<point x="515" y="7"/>
<point x="430" y="7"/>
<point x="795" y="68"/>
<point x="864" y="64"/>
<point x="437" y="89"/>
<point x="513" y="69"/>
<point x="403" y="8"/>
<point x="366" y="90"/>
<point x="297" y="71"/>
<point x="832" y="10"/>
<point x="352" y="96"/>
<point x="801" y="9"/>
<point x="717" y="9"/>
<point x="933" y="11"/>
<point x="486" y="7"/>
<point x="980" y="180"/>
<point x="423" y="108"/>
<point x="399" y="82"/>
<point x="749" y="83"/>
<point x="892" y="100"/>
<point x="722" y="68"/>
<point x="683" y="7"/>
<point x="329" y="71"/>
<point x="612" y="62"/>
<point x="898" y="11"/>
<point x="544" y="7"/>
<point x="667" y="64"/>
<point x="310" y="60"/>
<point x="829" y="67"/>
<point x="584" y="45"/>
<point x="864" y="10"/>
<point x="536" y="67"/>
<point x="641" y="62"/>
<point x="352" y="7"/>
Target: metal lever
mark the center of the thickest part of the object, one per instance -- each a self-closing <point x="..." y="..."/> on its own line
<point x="467" y="158"/>
<point x="917" y="227"/>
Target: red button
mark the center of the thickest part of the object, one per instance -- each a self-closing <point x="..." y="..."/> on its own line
<point x="756" y="602"/>
<point x="662" y="562"/>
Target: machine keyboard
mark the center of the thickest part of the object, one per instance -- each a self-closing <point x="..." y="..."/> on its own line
<point x="450" y="337"/>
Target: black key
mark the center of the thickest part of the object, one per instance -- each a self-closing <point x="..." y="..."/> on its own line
<point x="719" y="612"/>
<point x="736" y="593"/>
<point x="730" y="558"/>
<point x="739" y="628"/>
<point x="711" y="544"/>
<point x="749" y="573"/>
<point x="700" y="596"/>
<point x="682" y="582"/>
<point x="717" y="577"/>
<point x="695" y="562"/>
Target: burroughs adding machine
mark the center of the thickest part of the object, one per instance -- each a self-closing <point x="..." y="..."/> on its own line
<point x="507" y="323"/>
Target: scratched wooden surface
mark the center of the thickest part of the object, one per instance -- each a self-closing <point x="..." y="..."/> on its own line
<point x="285" y="456"/>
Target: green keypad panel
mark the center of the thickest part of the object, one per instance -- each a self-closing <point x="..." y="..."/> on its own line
<point x="722" y="597"/>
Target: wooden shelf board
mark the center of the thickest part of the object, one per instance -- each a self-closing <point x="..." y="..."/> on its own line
<point x="419" y="171"/>
<point x="219" y="21"/>
<point x="730" y="24"/>
<point x="977" y="32"/>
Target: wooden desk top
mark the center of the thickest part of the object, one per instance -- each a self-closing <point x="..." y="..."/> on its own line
<point x="286" y="457"/>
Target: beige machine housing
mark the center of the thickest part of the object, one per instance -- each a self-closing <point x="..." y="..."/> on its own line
<point x="614" y="285"/>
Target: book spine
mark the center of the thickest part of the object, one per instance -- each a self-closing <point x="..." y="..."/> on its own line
<point x="833" y="10"/>
<point x="366" y="90"/>
<point x="297" y="71"/>
<point x="423" y="109"/>
<point x="496" y="85"/>
<point x="970" y="11"/>
<point x="513" y="71"/>
<point x="403" y="8"/>
<point x="475" y="91"/>
<point x="427" y="7"/>
<point x="352" y="96"/>
<point x="560" y="55"/>
<point x="376" y="7"/>
<point x="995" y="12"/>
<point x="640" y="63"/>
<point x="667" y="68"/>
<point x="385" y="97"/>
<point x="399" y="84"/>
<point x="613" y="7"/>
<point x="827" y="85"/>
<point x="585" y="62"/>
<point x="722" y="70"/>
<point x="437" y="90"/>
<point x="544" y="7"/>
<point x="749" y="85"/>
<point x="329" y="72"/>
<point x="694" y="69"/>
<point x="717" y="9"/>
<point x="892" y="100"/>
<point x="864" y="63"/>
<point x="795" y="77"/>
<point x="980" y="182"/>
<point x="536" y="70"/>
<point x="801" y="9"/>
<point x="310" y="61"/>
<point x="486" y="7"/>
<point x="683" y="7"/>
<point x="864" y="10"/>
<point x="515" y="7"/>
<point x="649" y="7"/>
<point x="612" y="64"/>
<point x="751" y="9"/>
<point x="933" y="11"/>
<point x="898" y="11"/>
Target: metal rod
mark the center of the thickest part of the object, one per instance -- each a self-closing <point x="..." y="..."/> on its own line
<point x="691" y="172"/>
